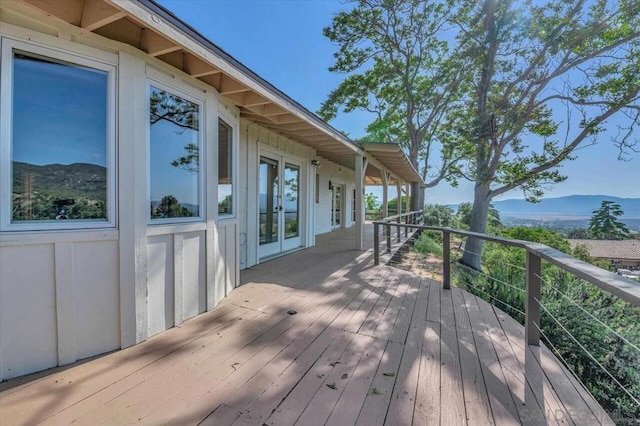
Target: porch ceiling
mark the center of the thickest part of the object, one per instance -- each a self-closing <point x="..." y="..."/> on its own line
<point x="149" y="27"/>
<point x="392" y="157"/>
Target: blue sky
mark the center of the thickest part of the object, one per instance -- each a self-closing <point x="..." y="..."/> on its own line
<point x="49" y="130"/>
<point x="282" y="41"/>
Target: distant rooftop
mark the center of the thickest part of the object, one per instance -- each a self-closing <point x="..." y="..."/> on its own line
<point x="611" y="249"/>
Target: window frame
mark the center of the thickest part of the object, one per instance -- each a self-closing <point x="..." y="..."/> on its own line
<point x="199" y="99"/>
<point x="233" y="125"/>
<point x="8" y="46"/>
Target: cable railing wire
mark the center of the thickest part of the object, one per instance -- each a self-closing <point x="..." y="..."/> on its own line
<point x="573" y="302"/>
<point x="495" y="298"/>
<point x="586" y="351"/>
<point x="559" y="354"/>
<point x="490" y="277"/>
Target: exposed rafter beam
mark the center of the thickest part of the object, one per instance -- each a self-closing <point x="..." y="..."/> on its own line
<point x="155" y="45"/>
<point x="198" y="68"/>
<point x="97" y="13"/>
<point x="228" y="85"/>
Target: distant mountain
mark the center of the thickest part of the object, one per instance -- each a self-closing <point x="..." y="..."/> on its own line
<point x="63" y="179"/>
<point x="572" y="205"/>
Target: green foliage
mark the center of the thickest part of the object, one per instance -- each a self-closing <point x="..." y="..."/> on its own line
<point x="398" y="66"/>
<point x="427" y="244"/>
<point x="181" y="113"/>
<point x="371" y="202"/>
<point x="169" y="207"/>
<point x="224" y="206"/>
<point x="393" y="204"/>
<point x="604" y="224"/>
<point x="578" y="234"/>
<point x="464" y="216"/>
<point x="561" y="292"/>
<point x="439" y="215"/>
<point x="549" y="76"/>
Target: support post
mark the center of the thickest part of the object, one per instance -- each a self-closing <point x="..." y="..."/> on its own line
<point x="385" y="194"/>
<point x="376" y="243"/>
<point x="360" y="172"/>
<point x="446" y="260"/>
<point x="532" y="309"/>
<point x="387" y="226"/>
<point x="398" y="220"/>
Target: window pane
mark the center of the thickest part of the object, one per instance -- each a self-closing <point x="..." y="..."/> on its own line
<point x="59" y="147"/>
<point x="225" y="168"/>
<point x="291" y="200"/>
<point x="174" y="156"/>
<point x="268" y="200"/>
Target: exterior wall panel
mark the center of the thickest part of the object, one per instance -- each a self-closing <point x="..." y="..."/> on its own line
<point x="28" y="335"/>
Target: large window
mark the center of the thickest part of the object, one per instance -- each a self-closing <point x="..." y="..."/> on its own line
<point x="174" y="155"/>
<point x="225" y="168"/>
<point x="57" y="145"/>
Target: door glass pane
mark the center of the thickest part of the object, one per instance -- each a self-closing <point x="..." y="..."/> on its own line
<point x="59" y="148"/>
<point x="268" y="200"/>
<point x="174" y="156"/>
<point x="336" y="205"/>
<point x="291" y="200"/>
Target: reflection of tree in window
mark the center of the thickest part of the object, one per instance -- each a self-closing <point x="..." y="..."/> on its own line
<point x="174" y="150"/>
<point x="182" y="113"/>
<point x="170" y="207"/>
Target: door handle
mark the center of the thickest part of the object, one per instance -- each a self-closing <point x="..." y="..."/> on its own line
<point x="280" y="208"/>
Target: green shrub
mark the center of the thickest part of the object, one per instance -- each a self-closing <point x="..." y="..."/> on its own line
<point x="426" y="244"/>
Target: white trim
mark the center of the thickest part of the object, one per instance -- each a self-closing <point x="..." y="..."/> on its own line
<point x="6" y="143"/>
<point x="198" y="99"/>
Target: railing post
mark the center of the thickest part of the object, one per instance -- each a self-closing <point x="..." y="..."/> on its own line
<point x="398" y="220"/>
<point x="406" y="228"/>
<point x="532" y="309"/>
<point x="446" y="260"/>
<point x="376" y="243"/>
<point x="388" y="230"/>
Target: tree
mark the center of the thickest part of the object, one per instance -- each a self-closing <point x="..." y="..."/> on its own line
<point x="399" y="68"/>
<point x="371" y="202"/>
<point x="392" y="205"/>
<point x="181" y="113"/>
<point x="464" y="215"/>
<point x="604" y="224"/>
<point x="578" y="234"/>
<point x="532" y="60"/>
<point x="439" y="215"/>
<point x="170" y="207"/>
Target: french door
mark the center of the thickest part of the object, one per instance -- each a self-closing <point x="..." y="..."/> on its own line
<point x="336" y="206"/>
<point x="278" y="205"/>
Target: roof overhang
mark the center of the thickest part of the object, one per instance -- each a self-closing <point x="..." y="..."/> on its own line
<point x="394" y="160"/>
<point x="149" y="27"/>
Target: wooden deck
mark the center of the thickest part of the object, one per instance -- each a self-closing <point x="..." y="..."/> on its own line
<point x="366" y="345"/>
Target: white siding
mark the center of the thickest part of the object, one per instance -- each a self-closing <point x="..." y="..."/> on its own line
<point x="338" y="175"/>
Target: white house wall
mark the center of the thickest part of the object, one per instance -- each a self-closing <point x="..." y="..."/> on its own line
<point x="338" y="175"/>
<point x="254" y="138"/>
<point x="68" y="295"/>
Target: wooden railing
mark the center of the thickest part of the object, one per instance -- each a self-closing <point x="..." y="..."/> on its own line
<point x="621" y="287"/>
<point x="404" y="221"/>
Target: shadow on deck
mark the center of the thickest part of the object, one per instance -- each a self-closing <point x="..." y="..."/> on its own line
<point x="320" y="336"/>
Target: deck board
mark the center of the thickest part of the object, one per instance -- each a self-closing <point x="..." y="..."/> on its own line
<point x="398" y="348"/>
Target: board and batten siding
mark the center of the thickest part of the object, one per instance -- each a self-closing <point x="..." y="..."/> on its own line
<point x="338" y="175"/>
<point x="253" y="140"/>
<point x="68" y="295"/>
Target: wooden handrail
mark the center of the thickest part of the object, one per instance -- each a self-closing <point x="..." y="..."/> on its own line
<point x="621" y="287"/>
